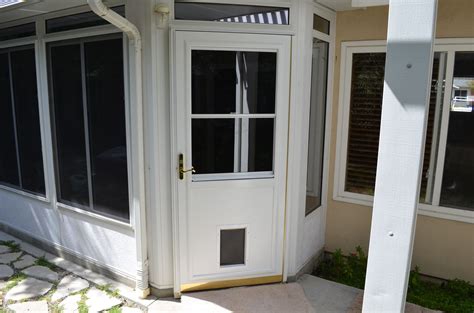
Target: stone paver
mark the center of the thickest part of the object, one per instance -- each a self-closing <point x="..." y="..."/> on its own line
<point x="70" y="304"/>
<point x="27" y="289"/>
<point x="9" y="257"/>
<point x="98" y="300"/>
<point x="68" y="285"/>
<point x="24" y="261"/>
<point x="32" y="306"/>
<point x="126" y="309"/>
<point x="5" y="271"/>
<point x="41" y="272"/>
<point x="4" y="249"/>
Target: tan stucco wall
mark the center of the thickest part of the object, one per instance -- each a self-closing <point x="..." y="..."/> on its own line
<point x="443" y="248"/>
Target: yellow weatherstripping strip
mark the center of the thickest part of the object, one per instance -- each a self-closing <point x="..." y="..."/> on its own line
<point x="231" y="283"/>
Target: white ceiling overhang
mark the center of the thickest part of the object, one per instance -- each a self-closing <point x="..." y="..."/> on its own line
<point x="344" y="5"/>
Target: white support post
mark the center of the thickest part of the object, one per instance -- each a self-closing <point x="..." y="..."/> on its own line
<point x="411" y="29"/>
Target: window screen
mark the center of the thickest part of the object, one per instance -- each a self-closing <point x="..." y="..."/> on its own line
<point x="87" y="88"/>
<point x="21" y="159"/>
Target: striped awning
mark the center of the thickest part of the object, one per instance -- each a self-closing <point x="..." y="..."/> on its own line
<point x="279" y="17"/>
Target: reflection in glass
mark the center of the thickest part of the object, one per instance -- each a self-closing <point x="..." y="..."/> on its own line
<point x="321" y="24"/>
<point x="458" y="175"/>
<point x="226" y="82"/>
<point x="232" y="145"/>
<point x="231" y="13"/>
<point x="316" y="125"/>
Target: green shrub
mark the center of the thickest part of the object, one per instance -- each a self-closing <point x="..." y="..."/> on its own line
<point x="454" y="296"/>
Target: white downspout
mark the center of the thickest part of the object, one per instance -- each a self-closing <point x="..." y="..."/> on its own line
<point x="99" y="8"/>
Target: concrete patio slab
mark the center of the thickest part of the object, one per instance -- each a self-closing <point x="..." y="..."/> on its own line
<point x="276" y="298"/>
<point x="328" y="296"/>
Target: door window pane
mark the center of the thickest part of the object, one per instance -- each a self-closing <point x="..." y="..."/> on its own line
<point x="458" y="174"/>
<point x="231" y="13"/>
<point x="8" y="157"/>
<point x="67" y="98"/>
<point x="233" y="82"/>
<point x="27" y="120"/>
<point x="232" y="145"/>
<point x="316" y="125"/>
<point x="106" y="108"/>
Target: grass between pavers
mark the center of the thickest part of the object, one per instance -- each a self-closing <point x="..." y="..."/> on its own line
<point x="106" y="288"/>
<point x="14" y="247"/>
<point x="42" y="261"/>
<point x="115" y="309"/>
<point x="14" y="280"/>
<point x="453" y="296"/>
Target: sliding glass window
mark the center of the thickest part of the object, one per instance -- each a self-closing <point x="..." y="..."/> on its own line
<point x="89" y="132"/>
<point x="21" y="159"/>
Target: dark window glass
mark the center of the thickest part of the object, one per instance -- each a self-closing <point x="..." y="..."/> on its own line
<point x="458" y="174"/>
<point x="8" y="157"/>
<point x="76" y="21"/>
<point x="27" y="120"/>
<point x="321" y="24"/>
<point x="66" y="91"/>
<point x="19" y="31"/>
<point x="233" y="82"/>
<point x="88" y="76"/>
<point x="213" y="145"/>
<point x="107" y="137"/>
<point x="232" y="145"/>
<point x="368" y="70"/>
<point x="232" y="247"/>
<point x="231" y="13"/>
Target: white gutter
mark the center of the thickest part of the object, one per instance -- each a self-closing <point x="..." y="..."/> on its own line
<point x="99" y="8"/>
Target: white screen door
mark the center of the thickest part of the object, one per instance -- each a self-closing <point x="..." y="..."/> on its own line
<point x="231" y="96"/>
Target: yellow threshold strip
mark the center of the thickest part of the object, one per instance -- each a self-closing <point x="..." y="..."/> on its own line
<point x="231" y="283"/>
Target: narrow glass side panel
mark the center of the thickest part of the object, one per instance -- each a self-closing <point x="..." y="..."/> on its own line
<point x="66" y="91"/>
<point x="317" y="125"/>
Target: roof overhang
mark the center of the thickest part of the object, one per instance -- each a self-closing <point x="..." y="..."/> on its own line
<point x="345" y="5"/>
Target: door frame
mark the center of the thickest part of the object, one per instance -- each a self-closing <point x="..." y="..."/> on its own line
<point x="175" y="195"/>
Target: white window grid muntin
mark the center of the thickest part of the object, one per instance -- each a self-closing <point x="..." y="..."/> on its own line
<point x="40" y="41"/>
<point x="448" y="46"/>
<point x="237" y="175"/>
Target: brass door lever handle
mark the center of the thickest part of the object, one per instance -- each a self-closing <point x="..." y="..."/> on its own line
<point x="181" y="170"/>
